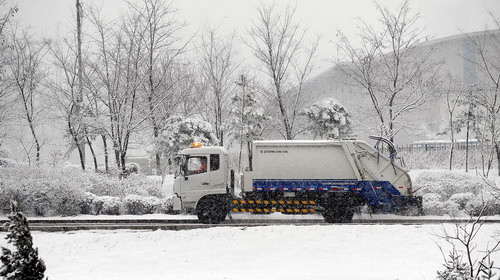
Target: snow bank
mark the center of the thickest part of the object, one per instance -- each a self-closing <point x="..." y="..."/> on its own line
<point x="273" y="252"/>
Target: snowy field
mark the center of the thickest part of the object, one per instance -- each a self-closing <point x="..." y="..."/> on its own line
<point x="272" y="252"/>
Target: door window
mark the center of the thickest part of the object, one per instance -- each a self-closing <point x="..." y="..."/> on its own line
<point x="214" y="162"/>
<point x="196" y="165"/>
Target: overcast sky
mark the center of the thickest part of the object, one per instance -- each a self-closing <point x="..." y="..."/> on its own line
<point x="441" y="17"/>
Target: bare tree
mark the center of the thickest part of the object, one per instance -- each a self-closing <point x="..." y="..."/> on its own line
<point x="64" y="88"/>
<point x="7" y="13"/>
<point x="453" y="99"/>
<point x="397" y="77"/>
<point x="277" y="42"/>
<point x="26" y="75"/>
<point x="189" y="89"/>
<point x="461" y="238"/>
<point x="116" y="77"/>
<point x="217" y="60"/>
<point x="487" y="100"/>
<point x="162" y="44"/>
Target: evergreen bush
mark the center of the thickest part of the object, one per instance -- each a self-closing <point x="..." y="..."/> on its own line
<point x="23" y="262"/>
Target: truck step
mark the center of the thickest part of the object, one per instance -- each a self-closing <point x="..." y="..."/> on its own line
<point x="274" y="210"/>
<point x="273" y="202"/>
<point x="275" y="206"/>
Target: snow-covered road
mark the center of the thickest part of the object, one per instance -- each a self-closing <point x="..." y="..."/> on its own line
<point x="272" y="252"/>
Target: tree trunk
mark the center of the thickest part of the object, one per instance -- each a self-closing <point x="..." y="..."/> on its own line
<point x="156" y="134"/>
<point x="79" y="50"/>
<point x="123" y="154"/>
<point x="96" y="168"/>
<point x="467" y="141"/>
<point x="106" y="155"/>
<point x="452" y="140"/>
<point x="249" y="147"/>
<point x="35" y="138"/>
<point x="497" y="149"/>
<point x="82" y="156"/>
<point x="81" y="153"/>
<point x="239" y="155"/>
<point x="117" y="157"/>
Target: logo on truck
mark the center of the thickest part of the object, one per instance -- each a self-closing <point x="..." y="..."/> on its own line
<point x="273" y="151"/>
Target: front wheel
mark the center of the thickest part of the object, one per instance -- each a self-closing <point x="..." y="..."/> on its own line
<point x="212" y="210"/>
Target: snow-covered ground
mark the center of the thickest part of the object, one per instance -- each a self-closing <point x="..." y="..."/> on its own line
<point x="272" y="252"/>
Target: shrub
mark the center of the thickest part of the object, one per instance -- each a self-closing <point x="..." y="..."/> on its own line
<point x="432" y="204"/>
<point x="23" y="262"/>
<point x="476" y="205"/>
<point x="7" y="162"/>
<point x="40" y="191"/>
<point x="167" y="205"/>
<point x="137" y="184"/>
<point x="96" y="206"/>
<point x="45" y="191"/>
<point x="452" y="208"/>
<point x="132" y="168"/>
<point x="447" y="183"/>
<point x="86" y="204"/>
<point x="461" y="199"/>
<point x="138" y="205"/>
<point x="109" y="205"/>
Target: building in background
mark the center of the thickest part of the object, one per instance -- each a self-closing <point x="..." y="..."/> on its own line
<point x="456" y="55"/>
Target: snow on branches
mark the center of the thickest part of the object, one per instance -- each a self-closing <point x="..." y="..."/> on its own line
<point x="180" y="132"/>
<point x="246" y="119"/>
<point x="23" y="262"/>
<point x="328" y="119"/>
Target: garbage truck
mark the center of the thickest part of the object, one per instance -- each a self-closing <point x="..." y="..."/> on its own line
<point x="328" y="177"/>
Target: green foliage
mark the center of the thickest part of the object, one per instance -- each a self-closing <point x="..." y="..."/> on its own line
<point x="23" y="262"/>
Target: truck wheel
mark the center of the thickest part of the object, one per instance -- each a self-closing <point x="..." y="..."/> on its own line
<point x="338" y="214"/>
<point x="211" y="210"/>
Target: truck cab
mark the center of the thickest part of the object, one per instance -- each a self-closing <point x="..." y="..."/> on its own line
<point x="201" y="175"/>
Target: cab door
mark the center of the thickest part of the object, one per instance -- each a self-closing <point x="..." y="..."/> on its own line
<point x="218" y="173"/>
<point x="196" y="180"/>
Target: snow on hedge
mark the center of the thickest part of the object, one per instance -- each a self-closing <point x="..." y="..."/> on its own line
<point x="455" y="192"/>
<point x="47" y="192"/>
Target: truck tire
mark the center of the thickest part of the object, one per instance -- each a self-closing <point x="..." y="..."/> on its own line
<point x="338" y="209"/>
<point x="212" y="210"/>
<point x="338" y="214"/>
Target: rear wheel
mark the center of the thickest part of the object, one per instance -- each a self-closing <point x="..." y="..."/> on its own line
<point x="212" y="210"/>
<point x="338" y="214"/>
<point x="338" y="209"/>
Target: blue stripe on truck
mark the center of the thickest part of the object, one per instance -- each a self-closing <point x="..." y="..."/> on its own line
<point x="376" y="193"/>
<point x="301" y="185"/>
